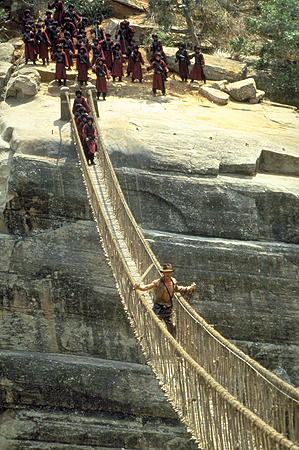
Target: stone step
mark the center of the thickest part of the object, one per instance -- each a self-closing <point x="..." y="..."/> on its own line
<point x="53" y="429"/>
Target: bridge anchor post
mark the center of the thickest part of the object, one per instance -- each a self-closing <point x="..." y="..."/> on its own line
<point x="64" y="107"/>
<point x="93" y="91"/>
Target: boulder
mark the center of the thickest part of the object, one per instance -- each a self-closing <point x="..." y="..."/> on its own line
<point x="25" y="82"/>
<point x="7" y="53"/>
<point x="258" y="97"/>
<point x="214" y="95"/>
<point x="221" y="85"/>
<point x="242" y="90"/>
<point x="219" y="68"/>
<point x="216" y="68"/>
<point x="16" y="42"/>
<point x="6" y="69"/>
<point x="142" y="31"/>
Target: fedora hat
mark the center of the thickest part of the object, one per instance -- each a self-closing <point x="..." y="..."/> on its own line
<point x="167" y="268"/>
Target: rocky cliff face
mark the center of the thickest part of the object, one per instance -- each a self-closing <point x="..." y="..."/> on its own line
<point x="72" y="374"/>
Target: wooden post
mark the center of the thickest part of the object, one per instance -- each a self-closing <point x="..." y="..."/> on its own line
<point x="93" y="91"/>
<point x="64" y="107"/>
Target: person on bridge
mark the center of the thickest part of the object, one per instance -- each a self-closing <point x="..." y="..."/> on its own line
<point x="164" y="289"/>
<point x="161" y="70"/>
<point x="80" y="100"/>
<point x="89" y="135"/>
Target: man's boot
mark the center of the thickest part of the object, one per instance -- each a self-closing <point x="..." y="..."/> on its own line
<point x="119" y="79"/>
<point x="104" y="95"/>
<point x="59" y="82"/>
<point x="64" y="82"/>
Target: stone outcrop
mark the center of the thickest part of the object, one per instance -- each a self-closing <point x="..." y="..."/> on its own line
<point x="24" y="83"/>
<point x="216" y="68"/>
<point x="214" y="95"/>
<point x="6" y="70"/>
<point x="66" y="344"/>
<point x="7" y="53"/>
<point x="242" y="90"/>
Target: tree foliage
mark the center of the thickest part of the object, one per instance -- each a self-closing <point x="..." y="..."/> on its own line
<point x="95" y="10"/>
<point x="166" y="10"/>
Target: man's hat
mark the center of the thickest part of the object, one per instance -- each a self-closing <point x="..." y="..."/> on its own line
<point x="78" y="91"/>
<point x="117" y="45"/>
<point x="48" y="12"/>
<point x="26" y="11"/>
<point x="71" y="5"/>
<point x="89" y="118"/>
<point x="95" y="39"/>
<point x="154" y="35"/>
<point x="108" y="34"/>
<point x="167" y="268"/>
<point x="67" y="33"/>
<point x="79" y="36"/>
<point x="196" y="47"/>
<point x="100" y="59"/>
<point x="158" y="54"/>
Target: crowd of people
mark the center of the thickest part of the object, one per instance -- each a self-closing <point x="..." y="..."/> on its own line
<point x="65" y="37"/>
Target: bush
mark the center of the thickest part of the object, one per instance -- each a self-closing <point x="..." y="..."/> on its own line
<point x="95" y="10"/>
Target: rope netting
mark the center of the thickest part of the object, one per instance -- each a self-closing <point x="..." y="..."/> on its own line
<point x="226" y="399"/>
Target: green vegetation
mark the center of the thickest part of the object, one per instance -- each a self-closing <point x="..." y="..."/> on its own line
<point x="275" y="29"/>
<point x="95" y="10"/>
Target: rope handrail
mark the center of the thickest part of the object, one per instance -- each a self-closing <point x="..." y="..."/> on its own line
<point x="189" y="322"/>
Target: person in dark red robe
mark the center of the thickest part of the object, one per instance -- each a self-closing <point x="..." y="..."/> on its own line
<point x="59" y="9"/>
<point x="48" y="22"/>
<point x="118" y="60"/>
<point x="70" y="27"/>
<point x="102" y="72"/>
<point x="43" y="43"/>
<point x="80" y="100"/>
<point x="122" y="34"/>
<point x="82" y="24"/>
<point x="129" y="31"/>
<point x="60" y="58"/>
<point x="154" y="44"/>
<point x="71" y="14"/>
<point x="82" y="65"/>
<point x="30" y="44"/>
<point x="182" y="57"/>
<point x="27" y="17"/>
<point x="107" y="45"/>
<point x="161" y="51"/>
<point x="89" y="138"/>
<point x="68" y="48"/>
<point x="197" y="72"/>
<point x="87" y="46"/>
<point x="54" y="36"/>
<point x="129" y="55"/>
<point x="160" y="71"/>
<point x="98" y="31"/>
<point x="79" y="110"/>
<point x="96" y="51"/>
<point x="137" y="61"/>
<point x="81" y="122"/>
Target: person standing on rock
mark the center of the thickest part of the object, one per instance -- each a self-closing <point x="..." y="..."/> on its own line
<point x="80" y="100"/>
<point x="107" y="45"/>
<point x="27" y="17"/>
<point x="183" y="59"/>
<point x="71" y="14"/>
<point x="68" y="48"/>
<point x="160" y="71"/>
<point x="59" y="10"/>
<point x="102" y="72"/>
<point x="48" y="22"/>
<point x="161" y="51"/>
<point x="82" y="65"/>
<point x="98" y="31"/>
<point x="164" y="290"/>
<point x="130" y="50"/>
<point x="70" y="27"/>
<point x="61" y="62"/>
<point x="89" y="138"/>
<point x="118" y="60"/>
<point x="197" y="72"/>
<point x="154" y="44"/>
<point x="43" y="43"/>
<point x="30" y="44"/>
<point x="54" y="36"/>
<point x="137" y="61"/>
<point x="96" y="51"/>
<point x="122" y="34"/>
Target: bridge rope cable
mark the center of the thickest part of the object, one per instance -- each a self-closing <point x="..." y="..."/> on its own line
<point x="212" y="403"/>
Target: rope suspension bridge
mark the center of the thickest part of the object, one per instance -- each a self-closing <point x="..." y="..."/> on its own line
<point x="224" y="398"/>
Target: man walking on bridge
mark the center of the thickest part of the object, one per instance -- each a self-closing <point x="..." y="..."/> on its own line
<point x="165" y="287"/>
